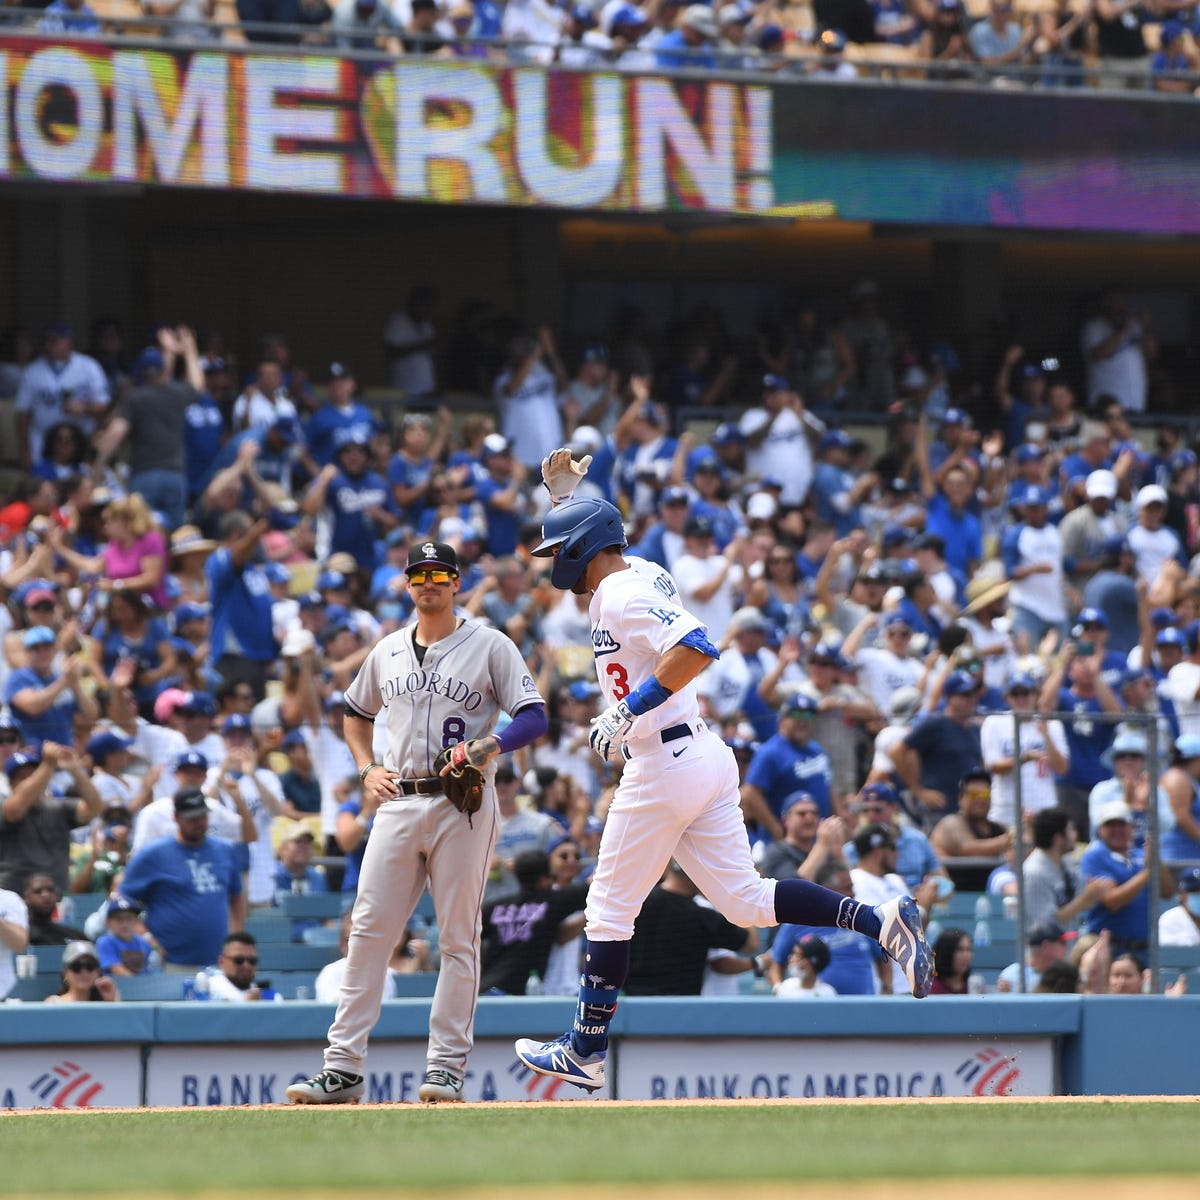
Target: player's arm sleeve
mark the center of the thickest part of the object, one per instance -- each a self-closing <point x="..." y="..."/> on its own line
<point x="364" y="696"/>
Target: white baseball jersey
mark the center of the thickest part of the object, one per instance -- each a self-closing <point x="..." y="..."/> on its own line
<point x="157" y="820"/>
<point x="636" y="619"/>
<point x="464" y="683"/>
<point x="997" y="737"/>
<point x="881" y="673"/>
<point x="13" y="910"/>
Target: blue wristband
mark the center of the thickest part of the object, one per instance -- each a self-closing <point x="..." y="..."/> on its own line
<point x="650" y="695"/>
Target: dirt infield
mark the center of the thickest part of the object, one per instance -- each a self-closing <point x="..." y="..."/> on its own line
<point x="783" y="1102"/>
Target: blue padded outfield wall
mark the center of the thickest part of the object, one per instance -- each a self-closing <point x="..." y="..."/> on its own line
<point x="192" y="1054"/>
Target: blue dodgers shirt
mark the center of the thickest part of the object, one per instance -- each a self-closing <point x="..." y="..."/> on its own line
<point x="349" y="500"/>
<point x="186" y="891"/>
<point x="330" y="428"/>
<point x="1087" y="740"/>
<point x="961" y="532"/>
<point x="53" y="725"/>
<point x="780" y="768"/>
<point x="1131" y="922"/>
<point x="203" y="431"/>
<point x="852" y="956"/>
<point x="241" y="609"/>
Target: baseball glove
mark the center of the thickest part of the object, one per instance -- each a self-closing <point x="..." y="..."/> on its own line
<point x="463" y="784"/>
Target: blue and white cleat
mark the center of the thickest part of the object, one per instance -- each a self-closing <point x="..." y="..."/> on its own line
<point x="903" y="938"/>
<point x="559" y="1060"/>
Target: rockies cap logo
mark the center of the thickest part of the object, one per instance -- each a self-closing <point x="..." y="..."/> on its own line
<point x="429" y="550"/>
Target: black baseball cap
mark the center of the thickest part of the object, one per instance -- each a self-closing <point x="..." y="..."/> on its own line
<point x="432" y="554"/>
<point x="190" y="802"/>
<point x="871" y="837"/>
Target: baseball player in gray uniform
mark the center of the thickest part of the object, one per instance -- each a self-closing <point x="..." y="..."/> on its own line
<point x="678" y="792"/>
<point x="442" y="682"/>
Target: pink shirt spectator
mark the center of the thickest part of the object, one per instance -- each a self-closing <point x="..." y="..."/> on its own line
<point x="125" y="562"/>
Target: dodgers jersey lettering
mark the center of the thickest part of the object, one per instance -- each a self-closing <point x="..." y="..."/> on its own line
<point x="445" y="700"/>
<point x="636" y="618"/>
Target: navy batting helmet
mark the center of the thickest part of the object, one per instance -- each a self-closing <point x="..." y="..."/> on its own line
<point x="578" y="530"/>
<point x="816" y="950"/>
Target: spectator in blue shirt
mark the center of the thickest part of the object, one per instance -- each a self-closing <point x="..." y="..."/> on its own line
<point x="68" y="16"/>
<point x="948" y="494"/>
<point x="1113" y="864"/>
<point x="787" y="763"/>
<point x="190" y="886"/>
<point x="296" y="876"/>
<point x="684" y="45"/>
<point x="340" y="420"/>
<point x="837" y="492"/>
<point x="356" y="501"/>
<point x="44" y="700"/>
<point x="937" y="752"/>
<point x="1085" y="695"/>
<point x="501" y="493"/>
<point x="854" y="958"/>
<point x="243" y="637"/>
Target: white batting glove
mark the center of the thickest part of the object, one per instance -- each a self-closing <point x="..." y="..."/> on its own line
<point x="609" y="730"/>
<point x="561" y="474"/>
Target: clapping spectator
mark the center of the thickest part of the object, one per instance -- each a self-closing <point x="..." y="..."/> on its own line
<point x="36" y="820"/>
<point x="808" y="842"/>
<point x="1118" y="870"/>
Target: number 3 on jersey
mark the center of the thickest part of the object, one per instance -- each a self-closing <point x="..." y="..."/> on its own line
<point x="618" y="679"/>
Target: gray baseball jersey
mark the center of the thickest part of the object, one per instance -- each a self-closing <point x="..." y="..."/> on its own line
<point x="455" y="695"/>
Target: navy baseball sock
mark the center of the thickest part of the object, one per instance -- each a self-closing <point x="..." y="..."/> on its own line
<point x="605" y="966"/>
<point x="799" y="902"/>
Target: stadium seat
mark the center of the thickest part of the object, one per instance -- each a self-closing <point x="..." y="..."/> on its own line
<point x="420" y="985"/>
<point x="278" y="957"/>
<point x="135" y="988"/>
<point x="322" y="935"/>
<point x="324" y="907"/>
<point x="83" y="905"/>
<point x="49" y="959"/>
<point x="269" y="926"/>
<point x="29" y="991"/>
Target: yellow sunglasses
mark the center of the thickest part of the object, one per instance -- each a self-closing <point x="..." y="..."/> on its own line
<point x="419" y="577"/>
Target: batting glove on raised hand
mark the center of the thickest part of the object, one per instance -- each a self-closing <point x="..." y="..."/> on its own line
<point x="561" y="473"/>
<point x="609" y="730"/>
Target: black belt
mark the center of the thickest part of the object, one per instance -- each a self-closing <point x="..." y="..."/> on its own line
<point x="672" y="733"/>
<point x="431" y="785"/>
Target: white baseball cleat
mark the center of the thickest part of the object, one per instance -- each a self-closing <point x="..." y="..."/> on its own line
<point x="903" y="938"/>
<point x="559" y="1060"/>
<point x="328" y="1087"/>
<point x="440" y="1087"/>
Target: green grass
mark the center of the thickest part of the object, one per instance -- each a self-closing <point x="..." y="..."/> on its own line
<point x="409" y="1147"/>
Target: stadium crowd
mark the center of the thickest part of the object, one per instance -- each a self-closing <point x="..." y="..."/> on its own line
<point x="196" y="561"/>
<point x="1119" y="43"/>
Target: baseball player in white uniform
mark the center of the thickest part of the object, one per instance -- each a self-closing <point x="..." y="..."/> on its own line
<point x="678" y="793"/>
<point x="441" y="682"/>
